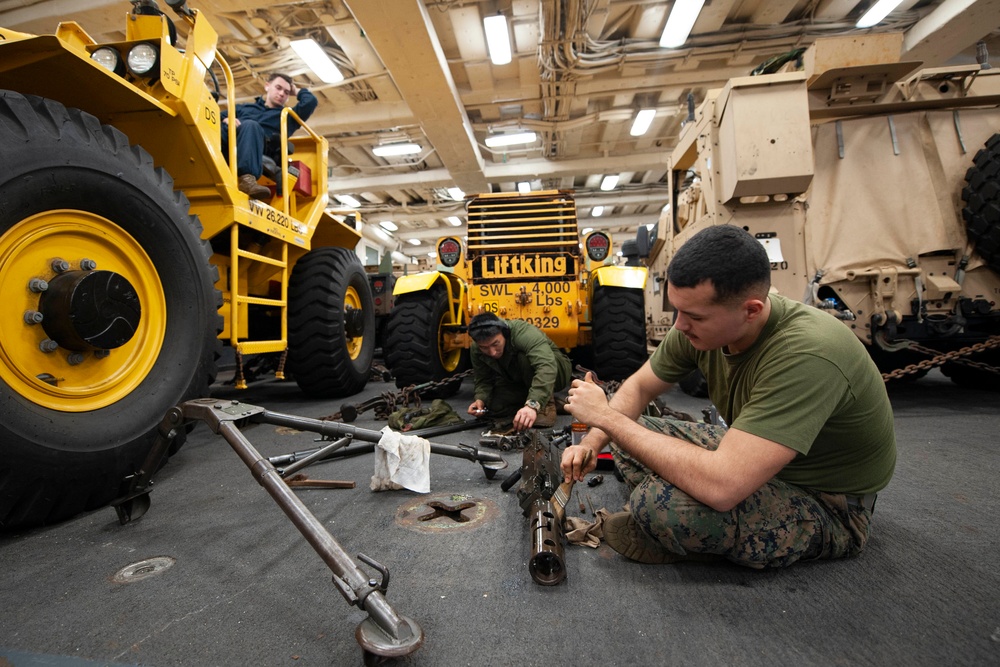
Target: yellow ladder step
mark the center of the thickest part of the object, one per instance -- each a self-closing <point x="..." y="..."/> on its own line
<point x="261" y="346"/>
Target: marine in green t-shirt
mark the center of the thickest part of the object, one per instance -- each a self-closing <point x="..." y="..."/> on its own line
<point x="806" y="383"/>
<point x="809" y="441"/>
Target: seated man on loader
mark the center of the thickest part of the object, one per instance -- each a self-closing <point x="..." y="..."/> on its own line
<point x="516" y="369"/>
<point x="810" y="437"/>
<point x="258" y="130"/>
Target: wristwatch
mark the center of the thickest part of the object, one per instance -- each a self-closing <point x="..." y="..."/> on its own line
<point x="534" y="405"/>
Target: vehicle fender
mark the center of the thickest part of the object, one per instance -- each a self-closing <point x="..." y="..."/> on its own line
<point x="420" y="282"/>
<point x="332" y="232"/>
<point x="620" y="276"/>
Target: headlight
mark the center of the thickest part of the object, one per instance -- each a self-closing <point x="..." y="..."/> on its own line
<point x="143" y="59"/>
<point x="109" y="59"/>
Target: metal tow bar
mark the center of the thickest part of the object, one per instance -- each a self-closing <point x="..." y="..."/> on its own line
<point x="384" y="633"/>
<point x="491" y="463"/>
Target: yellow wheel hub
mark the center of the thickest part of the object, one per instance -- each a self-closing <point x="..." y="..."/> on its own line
<point x="61" y="379"/>
<point x="451" y="357"/>
<point x="352" y="301"/>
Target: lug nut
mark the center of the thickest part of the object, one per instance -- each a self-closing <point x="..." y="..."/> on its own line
<point x="48" y="345"/>
<point x="88" y="264"/>
<point x="37" y="285"/>
<point x="59" y="265"/>
<point x="75" y="359"/>
<point x="101" y="354"/>
<point x="33" y="317"/>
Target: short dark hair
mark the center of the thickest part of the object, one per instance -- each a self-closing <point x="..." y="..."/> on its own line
<point x="727" y="255"/>
<point x="280" y="75"/>
<point x="485" y="326"/>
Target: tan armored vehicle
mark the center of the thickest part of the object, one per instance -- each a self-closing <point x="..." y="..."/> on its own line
<point x="128" y="255"/>
<point x="874" y="187"/>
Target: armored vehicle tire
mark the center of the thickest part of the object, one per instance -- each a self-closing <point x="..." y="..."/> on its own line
<point x="694" y="384"/>
<point x="975" y="378"/>
<point x="129" y="309"/>
<point x="331" y="323"/>
<point x="619" y="331"/>
<point x="982" y="202"/>
<point x="414" y="351"/>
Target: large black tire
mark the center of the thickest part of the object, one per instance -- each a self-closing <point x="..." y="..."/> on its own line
<point x="413" y="350"/>
<point x="981" y="195"/>
<point x="76" y="190"/>
<point x="331" y="324"/>
<point x="619" y="331"/>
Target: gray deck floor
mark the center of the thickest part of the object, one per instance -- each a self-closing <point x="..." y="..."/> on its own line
<point x="246" y="589"/>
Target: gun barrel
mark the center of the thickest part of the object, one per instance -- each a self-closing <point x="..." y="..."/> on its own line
<point x="546" y="564"/>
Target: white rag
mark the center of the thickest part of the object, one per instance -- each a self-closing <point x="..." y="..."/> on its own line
<point x="402" y="462"/>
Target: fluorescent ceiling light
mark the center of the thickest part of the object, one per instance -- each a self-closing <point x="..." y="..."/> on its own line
<point x="454" y="221"/>
<point x="877" y="12"/>
<point x="348" y="200"/>
<point x="413" y="241"/>
<point x="497" y="140"/>
<point x="609" y="182"/>
<point x="587" y="231"/>
<point x="389" y="225"/>
<point x="318" y="61"/>
<point x="682" y="17"/>
<point x="456" y="194"/>
<point x="388" y="150"/>
<point x="432" y="254"/>
<point x="497" y="38"/>
<point x="524" y="187"/>
<point x="643" y="120"/>
<point x="382" y="234"/>
<point x="597" y="211"/>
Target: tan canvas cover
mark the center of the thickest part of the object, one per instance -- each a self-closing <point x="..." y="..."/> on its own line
<point x="873" y="208"/>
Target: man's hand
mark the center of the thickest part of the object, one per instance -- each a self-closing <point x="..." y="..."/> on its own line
<point x="477" y="408"/>
<point x="587" y="401"/>
<point x="525" y="418"/>
<point x="577" y="461"/>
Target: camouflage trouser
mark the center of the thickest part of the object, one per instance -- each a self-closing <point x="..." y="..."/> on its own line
<point x="776" y="526"/>
<point x="506" y="399"/>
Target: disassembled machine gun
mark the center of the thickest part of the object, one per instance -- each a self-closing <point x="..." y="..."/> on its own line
<point x="543" y="497"/>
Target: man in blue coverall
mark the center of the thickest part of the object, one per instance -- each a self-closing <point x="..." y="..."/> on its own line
<point x="258" y="129"/>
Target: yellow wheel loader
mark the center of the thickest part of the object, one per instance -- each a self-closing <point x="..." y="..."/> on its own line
<point x="524" y="259"/>
<point x="128" y="255"/>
